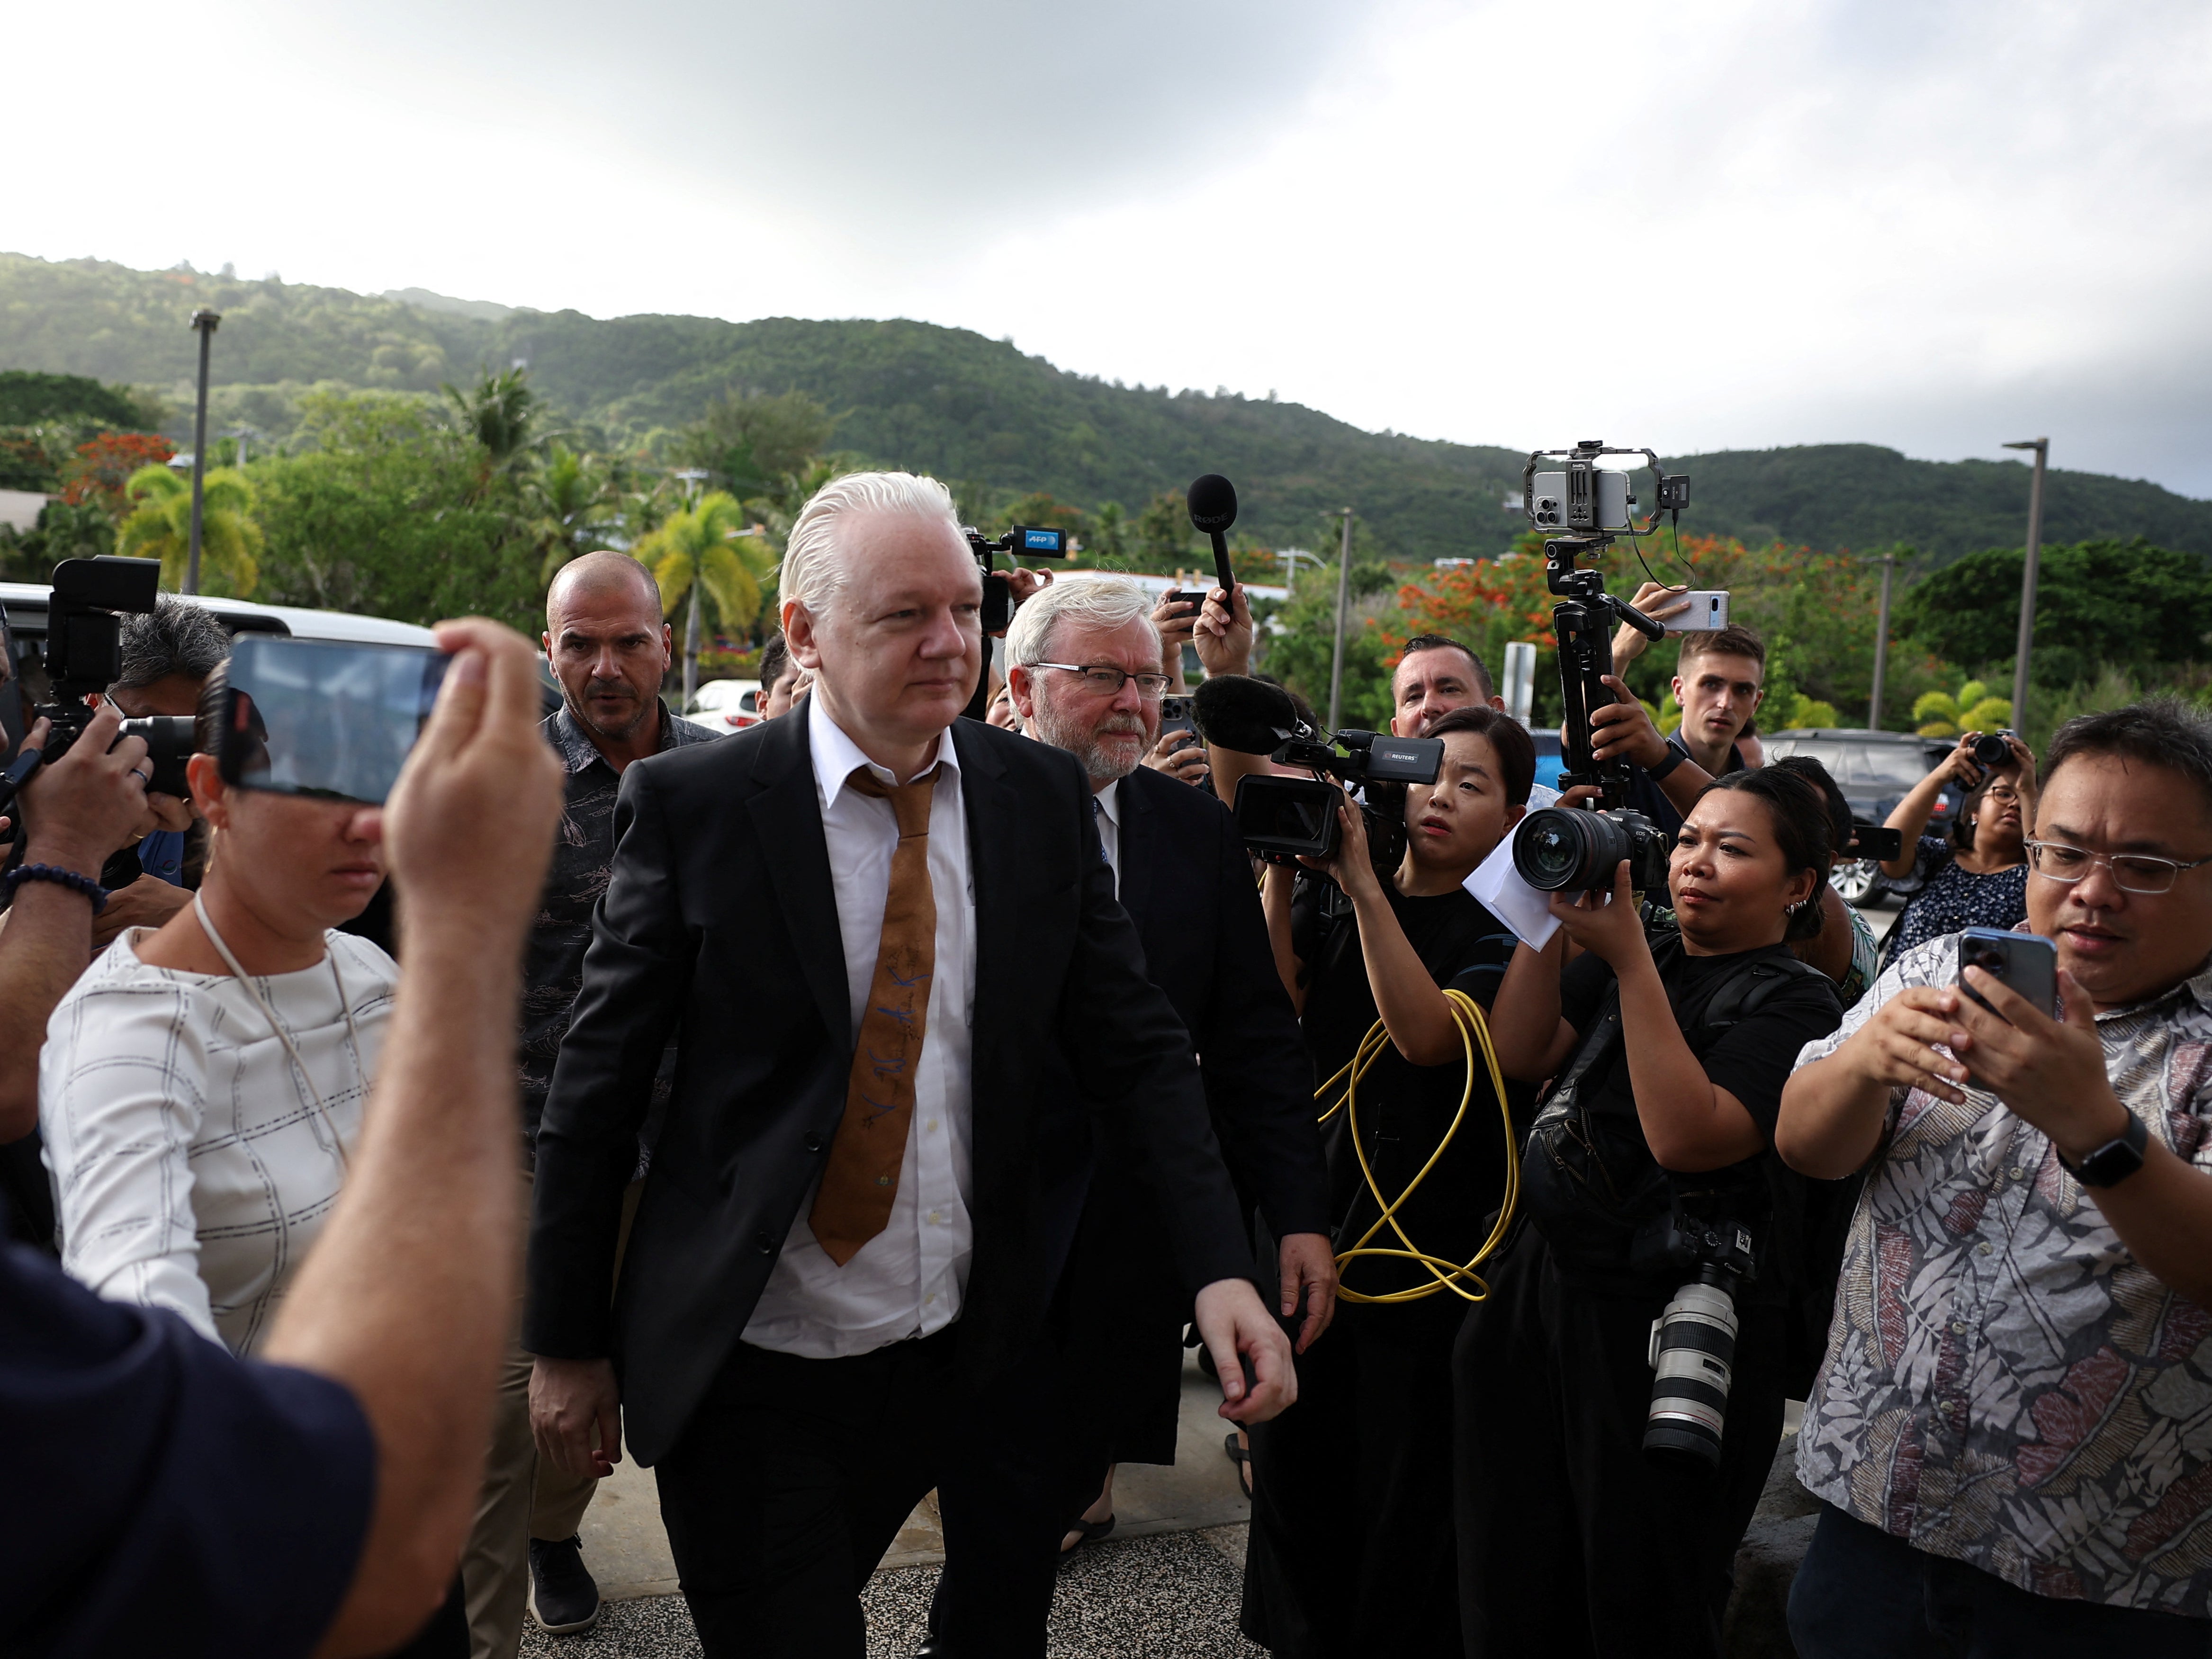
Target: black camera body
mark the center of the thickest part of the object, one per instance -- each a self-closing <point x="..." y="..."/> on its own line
<point x="1561" y="849"/>
<point x="84" y="655"/>
<point x="1284" y="820"/>
<point x="1991" y="749"/>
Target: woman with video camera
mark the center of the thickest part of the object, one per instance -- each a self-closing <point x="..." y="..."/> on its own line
<point x="201" y="1085"/>
<point x="1976" y="876"/>
<point x="1651" y="1156"/>
<point x="1350" y="1549"/>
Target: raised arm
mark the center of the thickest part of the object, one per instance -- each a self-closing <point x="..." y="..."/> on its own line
<point x="406" y="1297"/>
<point x="1909" y="817"/>
<point x="1532" y="1041"/>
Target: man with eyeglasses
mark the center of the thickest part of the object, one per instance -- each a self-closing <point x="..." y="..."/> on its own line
<point x="1083" y="667"/>
<point x="2012" y="1437"/>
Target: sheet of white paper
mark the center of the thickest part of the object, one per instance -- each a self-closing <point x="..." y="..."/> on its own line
<point x="1498" y="886"/>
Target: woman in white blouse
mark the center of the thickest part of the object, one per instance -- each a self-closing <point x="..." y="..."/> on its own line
<point x="202" y="1085"/>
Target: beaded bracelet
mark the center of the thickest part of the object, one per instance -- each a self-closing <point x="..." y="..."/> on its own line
<point x="61" y="878"/>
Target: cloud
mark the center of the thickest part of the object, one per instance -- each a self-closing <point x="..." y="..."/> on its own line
<point x="1714" y="224"/>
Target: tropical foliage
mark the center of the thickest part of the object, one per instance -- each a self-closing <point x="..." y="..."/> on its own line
<point x="709" y="546"/>
<point x="1970" y="708"/>
<point x="160" y="527"/>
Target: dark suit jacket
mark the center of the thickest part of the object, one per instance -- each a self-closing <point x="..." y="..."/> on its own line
<point x="719" y="924"/>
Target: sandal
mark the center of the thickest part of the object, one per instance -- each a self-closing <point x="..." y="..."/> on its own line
<point x="1242" y="1459"/>
<point x="1084" y="1532"/>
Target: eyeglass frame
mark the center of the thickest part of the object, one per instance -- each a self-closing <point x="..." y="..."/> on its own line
<point x="2175" y="866"/>
<point x="1166" y="680"/>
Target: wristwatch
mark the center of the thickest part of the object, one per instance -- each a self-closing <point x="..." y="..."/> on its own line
<point x="2116" y="1160"/>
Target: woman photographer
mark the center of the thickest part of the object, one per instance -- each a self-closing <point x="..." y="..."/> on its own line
<point x="1667" y="1053"/>
<point x="201" y="1085"/>
<point x="1977" y="875"/>
<point x="1350" y="1549"/>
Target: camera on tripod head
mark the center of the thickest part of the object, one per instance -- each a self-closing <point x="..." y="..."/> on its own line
<point x="1286" y="819"/>
<point x="83" y="653"/>
<point x="1561" y="849"/>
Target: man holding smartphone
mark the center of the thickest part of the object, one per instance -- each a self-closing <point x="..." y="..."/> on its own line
<point x="2012" y="1435"/>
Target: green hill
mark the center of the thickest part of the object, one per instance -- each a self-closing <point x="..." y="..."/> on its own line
<point x="967" y="408"/>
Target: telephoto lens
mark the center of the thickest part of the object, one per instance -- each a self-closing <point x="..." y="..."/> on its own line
<point x="1559" y="849"/>
<point x="169" y="739"/>
<point x="1693" y="1355"/>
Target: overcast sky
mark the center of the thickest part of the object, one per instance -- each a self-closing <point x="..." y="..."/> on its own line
<point x="1710" y="224"/>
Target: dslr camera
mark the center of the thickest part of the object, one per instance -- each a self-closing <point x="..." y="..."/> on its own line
<point x="83" y="653"/>
<point x="1558" y="849"/>
<point x="1692" y="1350"/>
<point x="1991" y="749"/>
<point x="1286" y="819"/>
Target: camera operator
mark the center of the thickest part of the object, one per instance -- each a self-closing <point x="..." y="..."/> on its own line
<point x="176" y="1500"/>
<point x="1669" y="1054"/>
<point x="2009" y="1434"/>
<point x="1181" y="873"/>
<point x="1976" y="875"/>
<point x="168" y="654"/>
<point x="1351" y="1550"/>
<point x="1719" y="683"/>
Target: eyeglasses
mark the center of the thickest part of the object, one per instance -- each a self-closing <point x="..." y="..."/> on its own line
<point x="1109" y="682"/>
<point x="2003" y="797"/>
<point x="2133" y="872"/>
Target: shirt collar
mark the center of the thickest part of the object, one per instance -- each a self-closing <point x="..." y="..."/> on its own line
<point x="577" y="751"/>
<point x="1109" y="802"/>
<point x="836" y="756"/>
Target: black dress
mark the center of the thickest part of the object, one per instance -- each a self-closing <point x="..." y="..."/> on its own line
<point x="1351" y="1550"/>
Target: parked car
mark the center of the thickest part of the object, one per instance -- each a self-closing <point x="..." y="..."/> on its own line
<point x="1874" y="771"/>
<point x="725" y="705"/>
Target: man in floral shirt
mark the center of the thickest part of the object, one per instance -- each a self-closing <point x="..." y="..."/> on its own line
<point x="2014" y="1432"/>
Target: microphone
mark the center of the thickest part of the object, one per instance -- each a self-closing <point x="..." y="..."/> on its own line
<point x="1212" y="501"/>
<point x="1248" y="716"/>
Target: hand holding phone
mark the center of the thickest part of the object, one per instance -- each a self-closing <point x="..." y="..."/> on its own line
<point x="2027" y="964"/>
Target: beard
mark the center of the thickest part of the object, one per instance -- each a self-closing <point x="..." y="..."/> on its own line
<point x="1101" y="764"/>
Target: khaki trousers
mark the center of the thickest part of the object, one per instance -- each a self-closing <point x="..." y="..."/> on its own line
<point x="524" y="1496"/>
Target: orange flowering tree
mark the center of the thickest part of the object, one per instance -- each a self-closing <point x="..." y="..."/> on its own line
<point x="100" y="470"/>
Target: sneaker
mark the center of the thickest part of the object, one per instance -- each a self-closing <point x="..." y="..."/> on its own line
<point x="563" y="1598"/>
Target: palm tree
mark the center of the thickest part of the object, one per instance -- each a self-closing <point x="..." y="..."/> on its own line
<point x="161" y="528"/>
<point x="709" y="546"/>
<point x="575" y="506"/>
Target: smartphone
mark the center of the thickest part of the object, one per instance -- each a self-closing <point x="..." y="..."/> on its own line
<point x="2026" y="963"/>
<point x="325" y="718"/>
<point x="1707" y="613"/>
<point x="1872" y="841"/>
<point x="1192" y="602"/>
<point x="1175" y="715"/>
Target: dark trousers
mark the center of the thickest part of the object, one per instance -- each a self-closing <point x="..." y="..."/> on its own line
<point x="1570" y="1542"/>
<point x="1864" y="1594"/>
<point x="1351" y="1546"/>
<point x="796" y="1474"/>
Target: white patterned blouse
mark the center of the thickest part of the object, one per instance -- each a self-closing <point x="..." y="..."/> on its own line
<point x="191" y="1163"/>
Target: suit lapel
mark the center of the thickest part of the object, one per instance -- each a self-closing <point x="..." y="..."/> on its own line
<point x="1139" y="841"/>
<point x="788" y="814"/>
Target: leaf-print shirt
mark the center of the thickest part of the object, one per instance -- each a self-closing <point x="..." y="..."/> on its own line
<point x="2006" y="1385"/>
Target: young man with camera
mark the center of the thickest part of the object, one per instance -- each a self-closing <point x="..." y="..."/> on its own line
<point x="2013" y="1433"/>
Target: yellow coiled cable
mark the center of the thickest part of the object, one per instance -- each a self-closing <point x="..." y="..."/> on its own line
<point x="1443" y="1274"/>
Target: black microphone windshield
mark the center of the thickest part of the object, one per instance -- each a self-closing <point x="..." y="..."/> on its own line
<point x="1248" y="716"/>
<point x="1212" y="503"/>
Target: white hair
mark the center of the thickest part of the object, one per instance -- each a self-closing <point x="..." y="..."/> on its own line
<point x="1096" y="601"/>
<point x="814" y="570"/>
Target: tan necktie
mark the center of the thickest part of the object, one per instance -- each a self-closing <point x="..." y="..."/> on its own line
<point x="860" y="1181"/>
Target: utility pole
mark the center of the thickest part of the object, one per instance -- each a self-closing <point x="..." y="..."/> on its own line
<point x="1880" y="645"/>
<point x="692" y="477"/>
<point x="203" y="324"/>
<point x="1343" y="601"/>
<point x="2041" y="448"/>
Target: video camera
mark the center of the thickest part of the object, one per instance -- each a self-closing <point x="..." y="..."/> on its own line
<point x="83" y="655"/>
<point x="1022" y="542"/>
<point x="1284" y="820"/>
<point x="1558" y="849"/>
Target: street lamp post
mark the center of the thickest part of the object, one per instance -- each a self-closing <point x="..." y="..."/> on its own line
<point x="1343" y="597"/>
<point x="204" y="324"/>
<point x="693" y="477"/>
<point x="2041" y="448"/>
<point x="1880" y="645"/>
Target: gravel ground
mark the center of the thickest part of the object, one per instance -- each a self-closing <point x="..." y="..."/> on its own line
<point x="1173" y="1595"/>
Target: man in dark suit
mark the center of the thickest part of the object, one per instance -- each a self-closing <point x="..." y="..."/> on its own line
<point x="837" y="1277"/>
<point x="1084" y="663"/>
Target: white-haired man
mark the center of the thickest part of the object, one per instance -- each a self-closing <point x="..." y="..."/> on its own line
<point x="837" y="1278"/>
<point x="1084" y="667"/>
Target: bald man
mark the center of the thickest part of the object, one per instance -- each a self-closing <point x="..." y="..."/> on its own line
<point x="609" y="648"/>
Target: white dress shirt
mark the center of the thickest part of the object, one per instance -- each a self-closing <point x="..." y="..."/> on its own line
<point x="908" y="1279"/>
<point x="191" y="1164"/>
<point x="1109" y="827"/>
